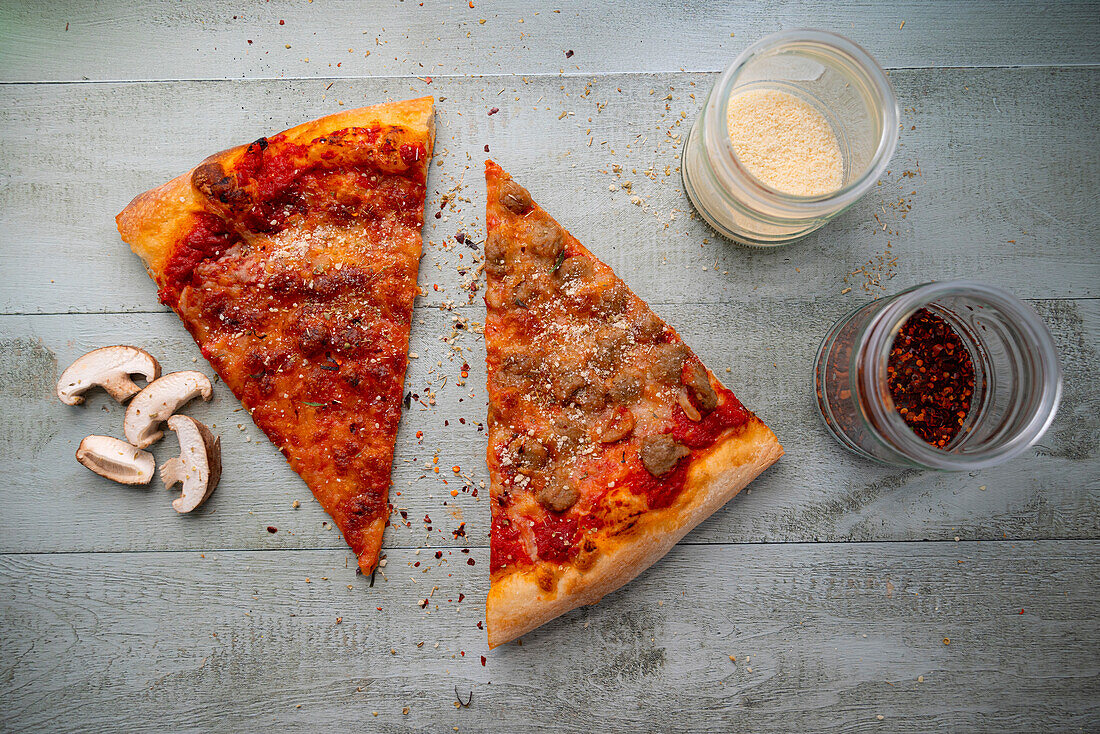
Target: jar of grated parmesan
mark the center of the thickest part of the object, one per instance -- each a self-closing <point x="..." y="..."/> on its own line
<point x="793" y="133"/>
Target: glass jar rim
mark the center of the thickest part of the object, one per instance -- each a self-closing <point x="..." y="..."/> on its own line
<point x="880" y="333"/>
<point x="795" y="204"/>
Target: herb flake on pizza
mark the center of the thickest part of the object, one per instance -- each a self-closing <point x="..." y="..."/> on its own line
<point x="608" y="438"/>
<point x="293" y="262"/>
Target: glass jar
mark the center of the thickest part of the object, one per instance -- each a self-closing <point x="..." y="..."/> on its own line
<point x="1017" y="377"/>
<point x="839" y="80"/>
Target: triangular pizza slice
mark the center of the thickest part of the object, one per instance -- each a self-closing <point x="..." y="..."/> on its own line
<point x="293" y="262"/>
<point x="608" y="438"/>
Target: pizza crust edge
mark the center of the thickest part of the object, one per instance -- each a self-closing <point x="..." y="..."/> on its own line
<point x="516" y="604"/>
<point x="154" y="222"/>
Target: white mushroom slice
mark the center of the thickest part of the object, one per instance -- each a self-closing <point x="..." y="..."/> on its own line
<point x="689" y="410"/>
<point x="158" y="401"/>
<point x="116" y="460"/>
<point x="110" y="367"/>
<point x="199" y="465"/>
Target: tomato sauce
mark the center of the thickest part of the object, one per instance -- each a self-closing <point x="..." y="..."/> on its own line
<point x="730" y="413"/>
<point x="210" y="237"/>
<point x="505" y="546"/>
<point x="554" y="537"/>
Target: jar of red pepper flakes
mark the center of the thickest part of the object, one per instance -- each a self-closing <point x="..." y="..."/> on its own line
<point x="952" y="375"/>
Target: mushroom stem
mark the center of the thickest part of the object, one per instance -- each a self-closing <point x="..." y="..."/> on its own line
<point x="158" y="401"/>
<point x="110" y="368"/>
<point x="198" y="467"/>
<point x="116" y="460"/>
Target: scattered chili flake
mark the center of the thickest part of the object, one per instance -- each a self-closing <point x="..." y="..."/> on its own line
<point x="482" y="661"/>
<point x="272" y="529"/>
<point x="282" y="22"/>
<point x="931" y="377"/>
<point x="486" y="147"/>
<point x="469" y="561"/>
<point x="479" y="626"/>
<point x="494" y="110"/>
<point x="569" y="54"/>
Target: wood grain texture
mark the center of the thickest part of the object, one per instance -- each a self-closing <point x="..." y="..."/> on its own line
<point x="118" y="614"/>
<point x="817" y="491"/>
<point x="827" y="637"/>
<point x="211" y="40"/>
<point x="989" y="184"/>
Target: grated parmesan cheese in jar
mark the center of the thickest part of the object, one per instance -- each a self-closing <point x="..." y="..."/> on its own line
<point x="800" y="126"/>
<point x="784" y="142"/>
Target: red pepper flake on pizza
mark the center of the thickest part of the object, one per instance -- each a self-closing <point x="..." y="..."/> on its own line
<point x="293" y="263"/>
<point x="608" y="438"/>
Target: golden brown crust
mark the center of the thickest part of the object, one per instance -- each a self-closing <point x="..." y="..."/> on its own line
<point x="602" y="492"/>
<point x="153" y="223"/>
<point x="517" y="604"/>
<point x="306" y="321"/>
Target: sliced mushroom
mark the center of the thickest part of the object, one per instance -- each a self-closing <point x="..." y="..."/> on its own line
<point x="689" y="409"/>
<point x="116" y="460"/>
<point x="109" y="367"/>
<point x="158" y="401"/>
<point x="199" y="465"/>
<point x="616" y="426"/>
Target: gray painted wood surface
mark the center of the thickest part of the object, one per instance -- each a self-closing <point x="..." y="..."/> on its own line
<point x="207" y="39"/>
<point x="118" y="614"/>
<point x="993" y="636"/>
<point x="817" y="492"/>
<point x="987" y="183"/>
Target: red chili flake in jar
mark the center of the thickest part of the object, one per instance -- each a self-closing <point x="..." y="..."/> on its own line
<point x="931" y="377"/>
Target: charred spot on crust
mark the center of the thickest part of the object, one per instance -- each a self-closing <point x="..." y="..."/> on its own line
<point x="214" y="183"/>
<point x="586" y="555"/>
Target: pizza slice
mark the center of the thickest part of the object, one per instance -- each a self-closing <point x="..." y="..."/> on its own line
<point x="293" y="262"/>
<point x="608" y="438"/>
